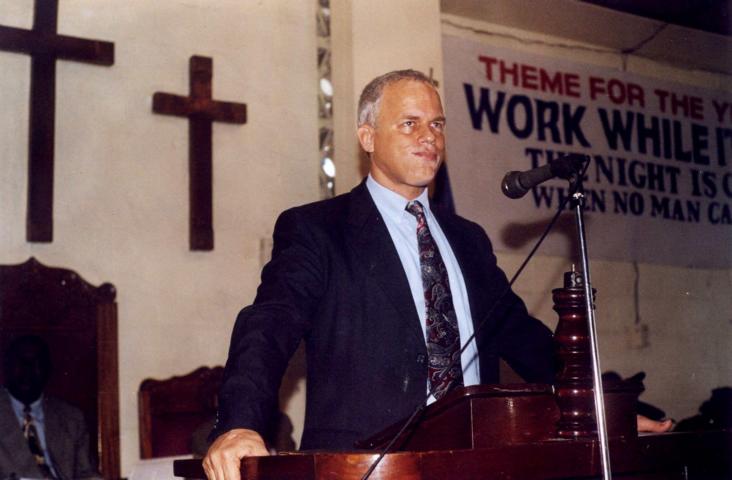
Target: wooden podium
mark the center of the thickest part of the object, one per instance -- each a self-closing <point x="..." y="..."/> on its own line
<point x="526" y="431"/>
<point x="503" y="431"/>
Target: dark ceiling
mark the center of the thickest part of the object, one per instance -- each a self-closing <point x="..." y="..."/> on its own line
<point x="707" y="15"/>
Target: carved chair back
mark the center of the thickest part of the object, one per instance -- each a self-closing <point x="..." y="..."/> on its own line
<point x="171" y="410"/>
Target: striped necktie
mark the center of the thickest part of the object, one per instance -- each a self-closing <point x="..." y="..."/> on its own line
<point x="34" y="443"/>
<point x="443" y="336"/>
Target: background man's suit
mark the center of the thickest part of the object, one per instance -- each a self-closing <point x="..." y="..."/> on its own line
<point x="66" y="436"/>
<point x="336" y="280"/>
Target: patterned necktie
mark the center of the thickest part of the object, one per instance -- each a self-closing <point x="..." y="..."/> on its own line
<point x="34" y="443"/>
<point x="443" y="336"/>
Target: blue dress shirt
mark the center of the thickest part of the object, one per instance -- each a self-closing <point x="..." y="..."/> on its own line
<point x="402" y="228"/>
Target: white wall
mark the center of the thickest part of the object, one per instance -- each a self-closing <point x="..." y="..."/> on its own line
<point x="121" y="197"/>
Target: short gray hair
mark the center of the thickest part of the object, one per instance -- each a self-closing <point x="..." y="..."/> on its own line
<point x="368" y="103"/>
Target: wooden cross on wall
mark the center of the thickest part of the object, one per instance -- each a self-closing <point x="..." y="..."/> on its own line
<point x="45" y="46"/>
<point x="201" y="111"/>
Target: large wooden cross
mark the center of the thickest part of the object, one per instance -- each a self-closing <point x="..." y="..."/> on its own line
<point x="201" y="111"/>
<point x="45" y="46"/>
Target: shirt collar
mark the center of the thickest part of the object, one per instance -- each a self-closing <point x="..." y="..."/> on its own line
<point x="392" y="204"/>
<point x="19" y="407"/>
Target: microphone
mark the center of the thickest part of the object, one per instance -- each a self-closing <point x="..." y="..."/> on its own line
<point x="517" y="184"/>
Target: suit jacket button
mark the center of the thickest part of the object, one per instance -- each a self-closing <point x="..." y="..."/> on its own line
<point x="422" y="359"/>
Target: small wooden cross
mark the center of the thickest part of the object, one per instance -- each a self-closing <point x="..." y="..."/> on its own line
<point x="45" y="46"/>
<point x="201" y="111"/>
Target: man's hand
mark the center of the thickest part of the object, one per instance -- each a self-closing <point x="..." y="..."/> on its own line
<point x="645" y="424"/>
<point x="223" y="459"/>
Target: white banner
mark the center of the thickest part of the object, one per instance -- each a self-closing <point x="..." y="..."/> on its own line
<point x="658" y="189"/>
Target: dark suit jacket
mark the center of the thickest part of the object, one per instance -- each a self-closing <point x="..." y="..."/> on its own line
<point x="66" y="436"/>
<point x="335" y="279"/>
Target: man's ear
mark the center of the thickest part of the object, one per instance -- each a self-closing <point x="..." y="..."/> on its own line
<point x="365" y="135"/>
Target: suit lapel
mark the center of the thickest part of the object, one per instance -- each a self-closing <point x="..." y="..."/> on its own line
<point x="55" y="441"/>
<point x="12" y="439"/>
<point x="368" y="235"/>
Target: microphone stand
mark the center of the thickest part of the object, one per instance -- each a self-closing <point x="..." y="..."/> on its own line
<point x="578" y="202"/>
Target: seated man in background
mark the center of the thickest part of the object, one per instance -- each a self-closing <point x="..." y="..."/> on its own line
<point x="40" y="436"/>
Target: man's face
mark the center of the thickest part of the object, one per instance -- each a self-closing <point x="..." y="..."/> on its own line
<point x="26" y="374"/>
<point x="408" y="142"/>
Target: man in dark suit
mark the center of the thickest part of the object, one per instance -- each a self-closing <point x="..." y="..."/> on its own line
<point x="40" y="436"/>
<point x="350" y="276"/>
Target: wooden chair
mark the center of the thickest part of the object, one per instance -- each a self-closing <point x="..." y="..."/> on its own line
<point x="171" y="410"/>
<point x="79" y="323"/>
